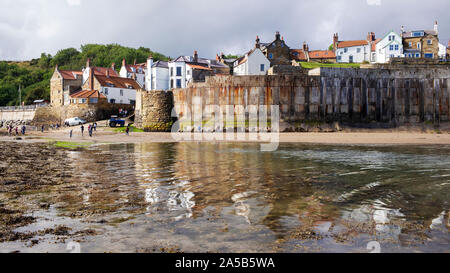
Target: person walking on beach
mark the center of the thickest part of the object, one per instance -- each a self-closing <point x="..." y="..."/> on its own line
<point x="128" y="130"/>
<point x="42" y="128"/>
<point x="90" y="129"/>
<point x="95" y="126"/>
<point x="9" y="130"/>
<point x="17" y="131"/>
<point x="71" y="133"/>
<point x="24" y="128"/>
<point x="82" y="130"/>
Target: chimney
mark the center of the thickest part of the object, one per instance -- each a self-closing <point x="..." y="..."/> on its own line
<point x="107" y="73"/>
<point x="113" y="66"/>
<point x="195" y="56"/>
<point x="371" y="37"/>
<point x="335" y="41"/>
<point x="88" y="62"/>
<point x="217" y="58"/>
<point x="134" y="62"/>
<point x="133" y="76"/>
<point x="257" y="45"/>
<point x="91" y="79"/>
<point x="124" y="62"/>
<point x="56" y="67"/>
<point x="436" y="27"/>
<point x="277" y="35"/>
<point x="305" y="46"/>
<point x="150" y="57"/>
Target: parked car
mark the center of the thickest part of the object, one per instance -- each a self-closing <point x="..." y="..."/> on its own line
<point x="115" y="121"/>
<point x="74" y="121"/>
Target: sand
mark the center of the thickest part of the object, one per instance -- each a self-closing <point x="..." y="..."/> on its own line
<point x="107" y="135"/>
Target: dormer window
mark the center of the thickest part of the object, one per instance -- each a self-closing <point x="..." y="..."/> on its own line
<point x="109" y="84"/>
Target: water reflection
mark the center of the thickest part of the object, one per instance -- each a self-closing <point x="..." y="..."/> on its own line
<point x="335" y="195"/>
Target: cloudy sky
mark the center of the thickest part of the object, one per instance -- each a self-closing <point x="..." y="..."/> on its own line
<point x="178" y="27"/>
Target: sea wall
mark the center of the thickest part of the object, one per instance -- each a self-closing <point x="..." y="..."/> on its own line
<point x="153" y="111"/>
<point x="354" y="96"/>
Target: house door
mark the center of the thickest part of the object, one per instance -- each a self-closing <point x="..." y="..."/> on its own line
<point x="350" y="59"/>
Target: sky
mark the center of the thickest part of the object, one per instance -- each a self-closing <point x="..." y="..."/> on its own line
<point x="178" y="27"/>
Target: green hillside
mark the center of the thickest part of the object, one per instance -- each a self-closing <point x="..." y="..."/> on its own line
<point x="34" y="76"/>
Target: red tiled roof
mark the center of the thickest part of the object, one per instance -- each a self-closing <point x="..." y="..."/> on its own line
<point x="118" y="82"/>
<point x="301" y="56"/>
<point x="86" y="94"/>
<point x="128" y="68"/>
<point x="195" y="66"/>
<point x="102" y="71"/>
<point x="69" y="74"/>
<point x="322" y="54"/>
<point x="352" y="43"/>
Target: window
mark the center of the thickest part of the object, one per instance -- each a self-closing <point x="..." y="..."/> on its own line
<point x="430" y="42"/>
<point x="410" y="44"/>
<point x="106" y="91"/>
<point x="171" y="83"/>
<point x="396" y="47"/>
<point x="188" y="72"/>
<point x="93" y="100"/>
<point x="171" y="71"/>
<point x="121" y="92"/>
<point x="339" y="58"/>
<point x="417" y="55"/>
<point x="428" y="55"/>
<point x="418" y="45"/>
<point x="178" y="71"/>
<point x="391" y="47"/>
<point x="295" y="54"/>
<point x="417" y="34"/>
<point x="345" y="50"/>
<point x="350" y="59"/>
<point x="112" y="101"/>
<point x="270" y="56"/>
<point x="178" y="83"/>
<point x="262" y="68"/>
<point x="358" y="50"/>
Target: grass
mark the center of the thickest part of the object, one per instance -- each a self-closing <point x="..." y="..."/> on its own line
<point x="316" y="65"/>
<point x="71" y="145"/>
<point x="132" y="130"/>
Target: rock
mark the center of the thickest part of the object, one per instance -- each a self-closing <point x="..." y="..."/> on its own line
<point x="336" y="127"/>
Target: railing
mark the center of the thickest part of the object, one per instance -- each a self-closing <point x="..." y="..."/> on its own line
<point x="22" y="108"/>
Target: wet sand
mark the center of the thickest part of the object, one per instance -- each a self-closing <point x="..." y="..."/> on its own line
<point x="107" y="135"/>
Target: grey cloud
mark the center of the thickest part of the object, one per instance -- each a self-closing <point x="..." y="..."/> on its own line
<point x="176" y="27"/>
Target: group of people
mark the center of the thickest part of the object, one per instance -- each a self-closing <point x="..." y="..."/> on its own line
<point x="16" y="130"/>
<point x="91" y="129"/>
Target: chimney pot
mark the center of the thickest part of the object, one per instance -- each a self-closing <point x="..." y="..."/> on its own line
<point x="88" y="62"/>
<point x="124" y="62"/>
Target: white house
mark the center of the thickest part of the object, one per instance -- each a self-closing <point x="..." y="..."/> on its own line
<point x="253" y="62"/>
<point x="156" y="75"/>
<point x="186" y="69"/>
<point x="390" y="46"/>
<point x="98" y="70"/>
<point x="135" y="71"/>
<point x="116" y="89"/>
<point x="442" y="51"/>
<point x="353" y="51"/>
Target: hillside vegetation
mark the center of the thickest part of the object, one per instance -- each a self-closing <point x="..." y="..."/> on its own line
<point x="34" y="76"/>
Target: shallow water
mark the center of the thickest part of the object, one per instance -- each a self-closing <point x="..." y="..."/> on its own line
<point x="230" y="197"/>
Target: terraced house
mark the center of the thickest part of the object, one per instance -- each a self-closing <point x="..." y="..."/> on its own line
<point x="117" y="90"/>
<point x="421" y="43"/>
<point x="186" y="69"/>
<point x="353" y="51"/>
